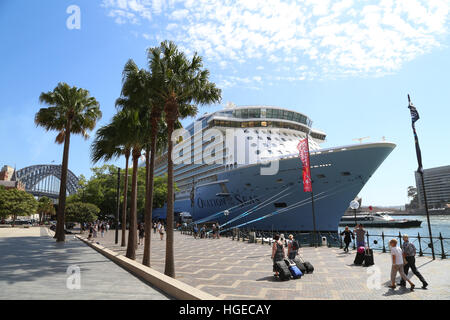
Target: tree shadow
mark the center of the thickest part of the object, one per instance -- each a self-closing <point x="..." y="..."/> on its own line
<point x="28" y="258"/>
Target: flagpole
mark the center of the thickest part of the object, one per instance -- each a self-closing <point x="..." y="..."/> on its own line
<point x="315" y="236"/>
<point x="420" y="170"/>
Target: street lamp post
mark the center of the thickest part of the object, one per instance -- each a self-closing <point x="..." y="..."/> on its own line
<point x="354" y="205"/>
<point x="118" y="206"/>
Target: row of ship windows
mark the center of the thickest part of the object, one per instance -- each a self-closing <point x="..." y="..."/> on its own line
<point x="274" y="124"/>
<point x="271" y="113"/>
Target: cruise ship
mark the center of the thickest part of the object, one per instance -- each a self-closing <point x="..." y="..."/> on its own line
<point x="240" y="167"/>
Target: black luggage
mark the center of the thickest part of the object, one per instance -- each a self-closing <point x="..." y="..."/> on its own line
<point x="368" y="258"/>
<point x="359" y="259"/>
<point x="308" y="266"/>
<point x="300" y="265"/>
<point x="283" y="270"/>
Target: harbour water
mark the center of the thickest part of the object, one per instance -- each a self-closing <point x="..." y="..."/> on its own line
<point x="439" y="224"/>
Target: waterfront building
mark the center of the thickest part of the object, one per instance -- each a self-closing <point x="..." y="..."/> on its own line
<point x="437" y="185"/>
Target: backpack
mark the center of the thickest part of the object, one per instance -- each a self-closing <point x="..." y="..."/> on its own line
<point x="295" y="245"/>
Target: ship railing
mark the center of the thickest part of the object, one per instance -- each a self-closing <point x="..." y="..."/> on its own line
<point x="423" y="243"/>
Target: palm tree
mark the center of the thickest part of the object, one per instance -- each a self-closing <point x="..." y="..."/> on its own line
<point x="158" y="142"/>
<point x="71" y="111"/>
<point x="134" y="104"/>
<point x="181" y="84"/>
<point x="109" y="144"/>
<point x="45" y="207"/>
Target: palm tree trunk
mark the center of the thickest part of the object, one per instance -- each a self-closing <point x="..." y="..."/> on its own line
<point x="60" y="216"/>
<point x="132" y="232"/>
<point x="125" y="194"/>
<point x="149" y="195"/>
<point x="170" y="263"/>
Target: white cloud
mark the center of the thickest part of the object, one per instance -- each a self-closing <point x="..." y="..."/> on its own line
<point x="332" y="38"/>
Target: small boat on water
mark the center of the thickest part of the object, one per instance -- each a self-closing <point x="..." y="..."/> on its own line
<point x="377" y="219"/>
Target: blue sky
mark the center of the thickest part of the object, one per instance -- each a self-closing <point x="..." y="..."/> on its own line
<point x="349" y="65"/>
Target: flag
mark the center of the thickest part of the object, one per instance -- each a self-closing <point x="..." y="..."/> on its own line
<point x="413" y="110"/>
<point x="414" y="118"/>
<point x="303" y="149"/>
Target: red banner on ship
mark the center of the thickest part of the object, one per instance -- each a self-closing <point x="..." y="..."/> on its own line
<point x="303" y="149"/>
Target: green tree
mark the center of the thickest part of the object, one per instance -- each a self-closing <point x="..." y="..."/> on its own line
<point x="412" y="194"/>
<point x="71" y="111"/>
<point x="16" y="203"/>
<point x="109" y="144"/>
<point x="82" y="213"/>
<point x="45" y="207"/>
<point x="181" y="84"/>
<point x="133" y="104"/>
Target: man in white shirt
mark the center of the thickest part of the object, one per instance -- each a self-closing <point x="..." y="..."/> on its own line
<point x="397" y="264"/>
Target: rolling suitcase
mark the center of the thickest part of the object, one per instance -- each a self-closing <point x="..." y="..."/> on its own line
<point x="368" y="258"/>
<point x="308" y="266"/>
<point x="283" y="270"/>
<point x="359" y="259"/>
<point x="300" y="265"/>
<point x="295" y="271"/>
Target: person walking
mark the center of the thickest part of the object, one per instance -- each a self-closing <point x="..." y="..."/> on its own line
<point x="91" y="232"/>
<point x="203" y="232"/>
<point x="154" y="227"/>
<point x="214" y="230"/>
<point x="195" y="231"/>
<point x="141" y="234"/>
<point x="161" y="231"/>
<point x="397" y="264"/>
<point x="102" y="230"/>
<point x="95" y="230"/>
<point x="348" y="236"/>
<point x="293" y="247"/>
<point x="277" y="252"/>
<point x="360" y="236"/>
<point x="409" y="254"/>
<point x="282" y="239"/>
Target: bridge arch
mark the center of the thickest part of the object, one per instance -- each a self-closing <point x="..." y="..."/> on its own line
<point x="37" y="180"/>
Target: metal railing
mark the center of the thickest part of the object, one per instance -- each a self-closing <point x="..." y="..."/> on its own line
<point x="422" y="243"/>
<point x="378" y="242"/>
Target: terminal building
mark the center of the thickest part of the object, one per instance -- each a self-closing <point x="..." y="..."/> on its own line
<point x="437" y="185"/>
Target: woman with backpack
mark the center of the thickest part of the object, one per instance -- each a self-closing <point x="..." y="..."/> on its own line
<point x="277" y="252"/>
<point x="293" y="247"/>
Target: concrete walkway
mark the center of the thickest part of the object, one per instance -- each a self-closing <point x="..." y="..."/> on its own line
<point x="34" y="266"/>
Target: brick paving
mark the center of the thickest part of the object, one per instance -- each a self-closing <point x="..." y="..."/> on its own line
<point x="238" y="270"/>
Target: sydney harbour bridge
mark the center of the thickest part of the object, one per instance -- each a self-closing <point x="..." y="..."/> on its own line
<point x="44" y="180"/>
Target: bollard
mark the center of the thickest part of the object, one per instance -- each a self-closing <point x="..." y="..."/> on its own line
<point x="382" y="237"/>
<point x="367" y="236"/>
<point x="442" y="246"/>
<point x="420" y="245"/>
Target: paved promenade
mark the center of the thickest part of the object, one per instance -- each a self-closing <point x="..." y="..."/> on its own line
<point x="34" y="266"/>
<point x="236" y="270"/>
